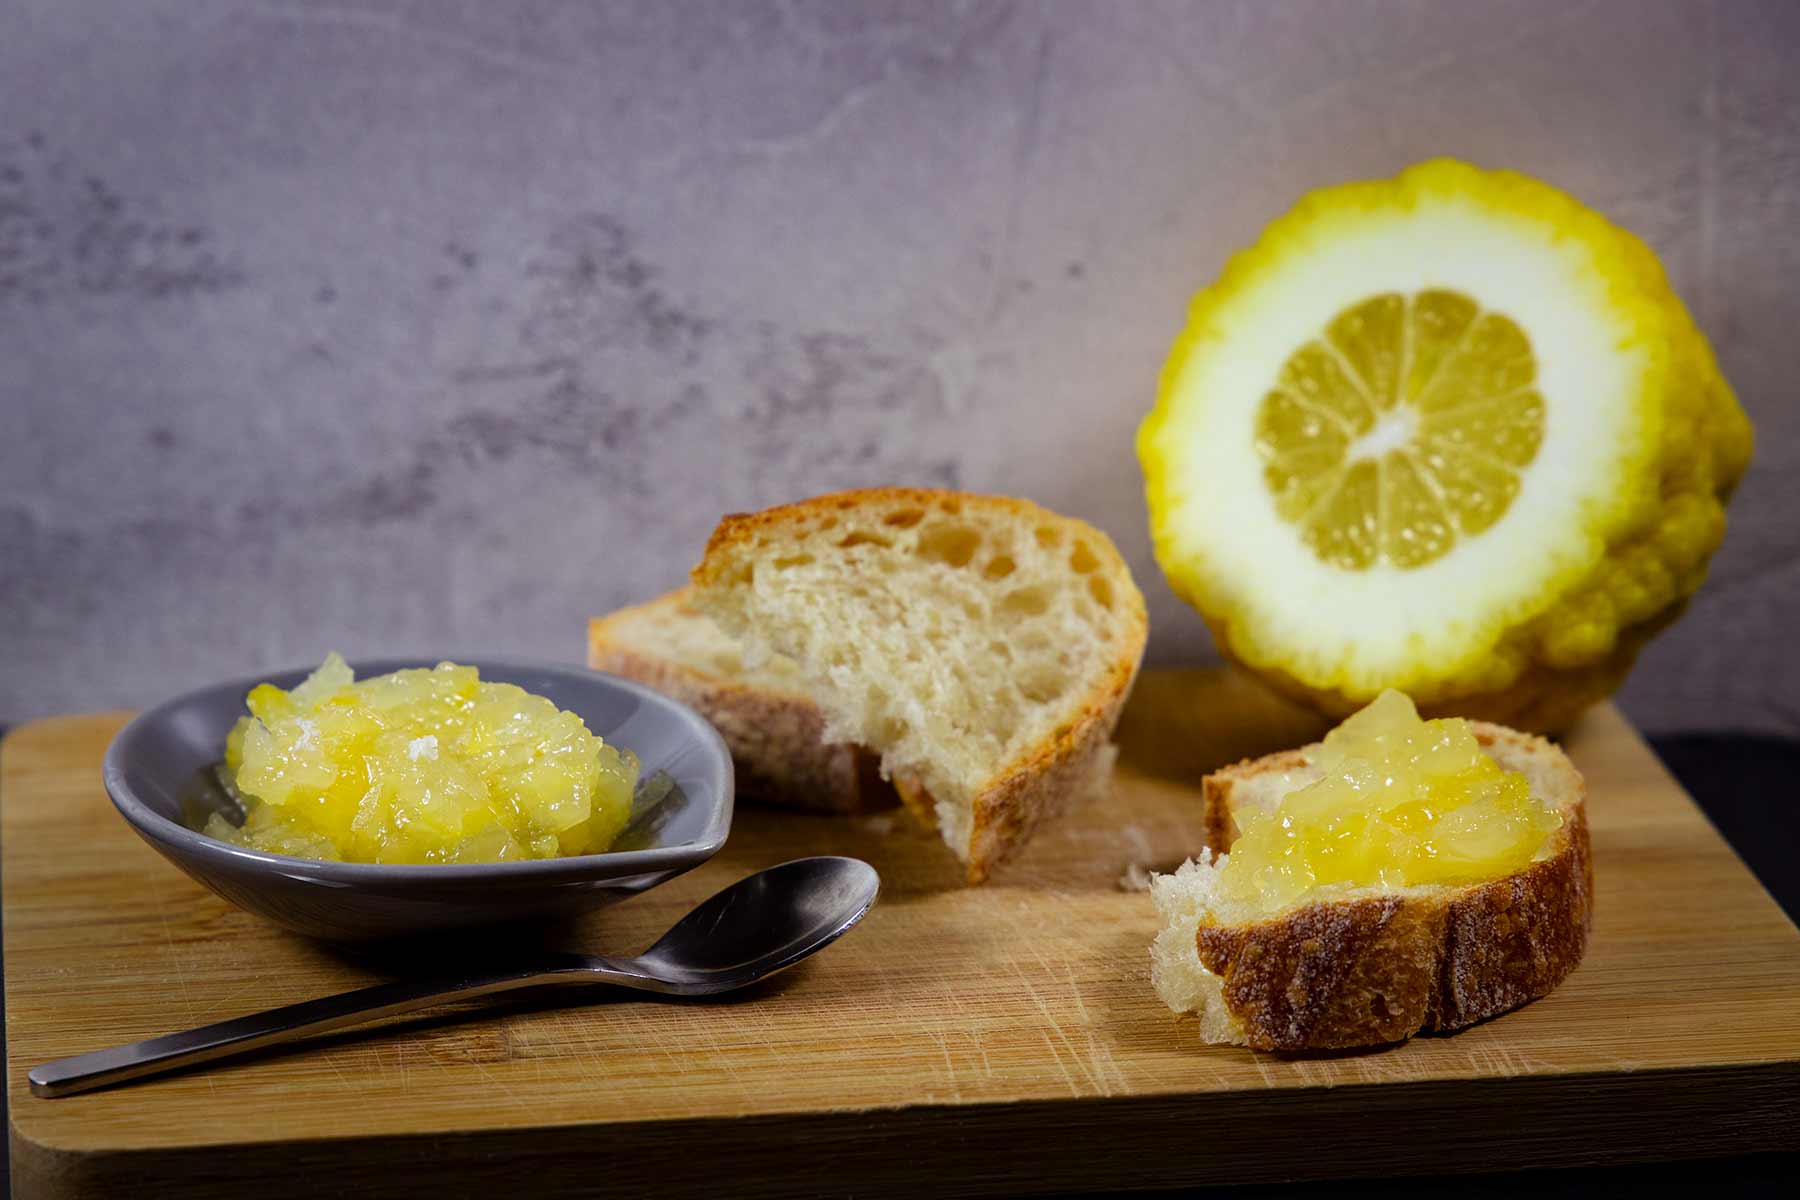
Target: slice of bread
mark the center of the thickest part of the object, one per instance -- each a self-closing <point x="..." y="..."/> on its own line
<point x="983" y="646"/>
<point x="1368" y="966"/>
<point x="775" y="732"/>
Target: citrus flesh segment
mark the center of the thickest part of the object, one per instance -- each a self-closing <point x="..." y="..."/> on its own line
<point x="1361" y="448"/>
<point x="1451" y="433"/>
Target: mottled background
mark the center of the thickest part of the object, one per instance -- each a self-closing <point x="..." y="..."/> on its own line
<point x="408" y="326"/>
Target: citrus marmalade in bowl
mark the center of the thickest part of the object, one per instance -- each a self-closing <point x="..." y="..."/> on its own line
<point x="429" y="765"/>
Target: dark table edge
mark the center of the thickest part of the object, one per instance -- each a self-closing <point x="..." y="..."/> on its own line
<point x="1424" y="1128"/>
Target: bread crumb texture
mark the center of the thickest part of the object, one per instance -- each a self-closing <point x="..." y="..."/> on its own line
<point x="756" y="700"/>
<point x="981" y="645"/>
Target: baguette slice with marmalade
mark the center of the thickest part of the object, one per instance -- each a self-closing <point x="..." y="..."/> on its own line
<point x="1370" y="966"/>
<point x="983" y="646"/>
<point x="775" y="732"/>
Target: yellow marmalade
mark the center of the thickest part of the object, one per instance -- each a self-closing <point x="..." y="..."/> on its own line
<point x="420" y="766"/>
<point x="1400" y="802"/>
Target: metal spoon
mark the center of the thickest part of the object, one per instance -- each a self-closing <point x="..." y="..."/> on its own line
<point x="749" y="931"/>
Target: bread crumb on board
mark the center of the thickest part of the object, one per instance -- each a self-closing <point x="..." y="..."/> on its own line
<point x="1135" y="879"/>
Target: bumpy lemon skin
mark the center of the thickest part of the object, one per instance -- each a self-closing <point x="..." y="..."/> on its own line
<point x="1539" y="673"/>
<point x="1543" y="699"/>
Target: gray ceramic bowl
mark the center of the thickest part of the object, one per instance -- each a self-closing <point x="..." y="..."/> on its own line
<point x="159" y="767"/>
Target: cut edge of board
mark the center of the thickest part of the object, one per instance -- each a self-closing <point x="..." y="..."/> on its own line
<point x="987" y="1148"/>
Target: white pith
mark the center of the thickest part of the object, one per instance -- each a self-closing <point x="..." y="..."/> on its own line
<point x="1360" y="630"/>
<point x="1392" y="430"/>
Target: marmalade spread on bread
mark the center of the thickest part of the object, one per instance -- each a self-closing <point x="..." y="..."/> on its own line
<point x="1401" y="802"/>
<point x="431" y="765"/>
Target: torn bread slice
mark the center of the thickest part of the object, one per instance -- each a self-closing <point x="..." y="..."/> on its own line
<point x="775" y="732"/>
<point x="982" y="645"/>
<point x="1372" y="965"/>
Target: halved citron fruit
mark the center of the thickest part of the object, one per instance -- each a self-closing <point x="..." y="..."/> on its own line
<point x="1451" y="433"/>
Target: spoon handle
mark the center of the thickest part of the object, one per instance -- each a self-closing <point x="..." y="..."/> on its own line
<point x="100" y="1068"/>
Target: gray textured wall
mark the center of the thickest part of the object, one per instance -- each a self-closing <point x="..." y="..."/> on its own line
<point x="399" y="326"/>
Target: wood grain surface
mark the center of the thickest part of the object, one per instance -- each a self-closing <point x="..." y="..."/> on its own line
<point x="961" y="1042"/>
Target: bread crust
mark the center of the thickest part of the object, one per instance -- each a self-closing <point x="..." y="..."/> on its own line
<point x="736" y="528"/>
<point x="1041" y="787"/>
<point x="776" y="738"/>
<point x="1050" y="776"/>
<point x="1039" y="782"/>
<point x="1379" y="969"/>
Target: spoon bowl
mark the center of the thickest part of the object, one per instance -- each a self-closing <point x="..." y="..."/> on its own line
<point x="759" y="925"/>
<point x="763" y="924"/>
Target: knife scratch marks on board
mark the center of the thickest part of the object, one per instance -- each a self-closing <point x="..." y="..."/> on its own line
<point x="400" y="1066"/>
<point x="1103" y="1065"/>
<point x="330" y="1059"/>
<point x="950" y="997"/>
<point x="180" y="968"/>
<point x="1074" y="1088"/>
<point x="581" y="1041"/>
<point x="1100" y="1056"/>
<point x="979" y="1041"/>
<point x="223" y="1002"/>
<point x="499" y="1083"/>
<point x="1075" y="992"/>
<point x="668" y="1049"/>
<point x="1100" y="1065"/>
<point x="1504" y="1061"/>
<point x="943" y="1042"/>
<point x="379" y="1051"/>
<point x="1309" y="1076"/>
<point x="722" y="1055"/>
<point x="537" y="1070"/>
<point x="1394" y="1068"/>
<point x="765" y="1026"/>
<point x="1055" y="1026"/>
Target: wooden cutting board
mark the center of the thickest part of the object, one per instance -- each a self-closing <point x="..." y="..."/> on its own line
<point x="961" y="1041"/>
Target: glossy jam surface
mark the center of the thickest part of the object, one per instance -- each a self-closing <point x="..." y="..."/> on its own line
<point x="1401" y="802"/>
<point x="420" y="766"/>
